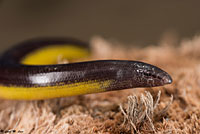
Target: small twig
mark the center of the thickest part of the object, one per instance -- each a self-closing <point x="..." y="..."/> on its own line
<point x="157" y="100"/>
<point x="142" y="109"/>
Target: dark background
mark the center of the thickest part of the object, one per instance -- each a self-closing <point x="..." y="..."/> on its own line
<point x="139" y="22"/>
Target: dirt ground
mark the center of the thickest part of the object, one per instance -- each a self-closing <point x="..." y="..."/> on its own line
<point x="110" y="113"/>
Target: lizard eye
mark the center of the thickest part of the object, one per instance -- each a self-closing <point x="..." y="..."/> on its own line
<point x="147" y="74"/>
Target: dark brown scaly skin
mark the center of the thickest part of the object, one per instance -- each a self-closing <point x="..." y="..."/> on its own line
<point x="124" y="74"/>
<point x="15" y="54"/>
